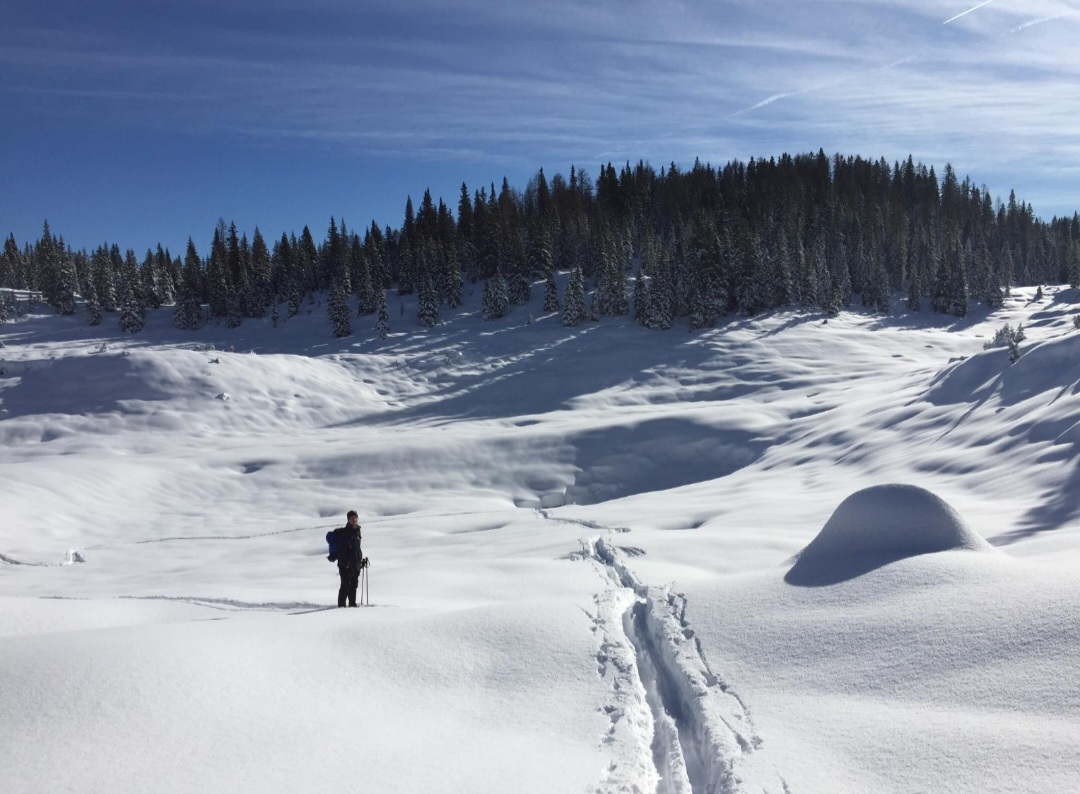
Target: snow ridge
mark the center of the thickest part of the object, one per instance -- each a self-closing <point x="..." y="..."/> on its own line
<point x="702" y="736"/>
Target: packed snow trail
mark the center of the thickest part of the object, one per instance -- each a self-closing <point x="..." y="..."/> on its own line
<point x="700" y="734"/>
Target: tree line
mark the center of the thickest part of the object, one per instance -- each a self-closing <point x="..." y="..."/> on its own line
<point x="805" y="230"/>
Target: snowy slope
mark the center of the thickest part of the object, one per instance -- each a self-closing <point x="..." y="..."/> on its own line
<point x="588" y="555"/>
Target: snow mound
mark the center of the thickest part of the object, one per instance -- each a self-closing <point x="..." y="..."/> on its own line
<point x="878" y="526"/>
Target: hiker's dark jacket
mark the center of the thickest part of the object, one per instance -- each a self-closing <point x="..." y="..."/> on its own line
<point x="348" y="547"/>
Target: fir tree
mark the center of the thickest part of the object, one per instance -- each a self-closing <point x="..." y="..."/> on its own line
<point x="337" y="308"/>
<point x="382" y="324"/>
<point x="93" y="305"/>
<point x="428" y="310"/>
<point x="574" y="299"/>
<point x="261" y="285"/>
<point x="132" y="314"/>
<point x="103" y="278"/>
<point x="188" y="312"/>
<point x="217" y="275"/>
<point x="148" y="277"/>
<point x="641" y="297"/>
<point x="67" y="280"/>
<point x="366" y="301"/>
<point x="495" y="302"/>
<point x="551" y="293"/>
<point x="234" y="310"/>
<point x="914" y="298"/>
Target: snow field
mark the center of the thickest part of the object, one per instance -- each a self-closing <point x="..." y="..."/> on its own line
<point x="580" y="543"/>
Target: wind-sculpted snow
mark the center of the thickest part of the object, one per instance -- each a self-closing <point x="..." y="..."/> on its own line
<point x="878" y="526"/>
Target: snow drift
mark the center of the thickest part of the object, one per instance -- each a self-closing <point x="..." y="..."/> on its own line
<point x="878" y="526"/>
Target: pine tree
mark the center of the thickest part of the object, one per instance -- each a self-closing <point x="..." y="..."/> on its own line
<point x="217" y="275"/>
<point x="261" y="286"/>
<point x="9" y="263"/>
<point x="188" y="312"/>
<point x="48" y="264"/>
<point x="337" y="308"/>
<point x="67" y="280"/>
<point x="914" y="298"/>
<point x="234" y="310"/>
<point x="103" y="278"/>
<point x="366" y="301"/>
<point x="428" y="311"/>
<point x="574" y="300"/>
<point x="93" y="305"/>
<point x="495" y="302"/>
<point x="148" y="277"/>
<point x="3" y="308"/>
<point x="132" y="314"/>
<point x="551" y="293"/>
<point x="163" y="269"/>
<point x="382" y="325"/>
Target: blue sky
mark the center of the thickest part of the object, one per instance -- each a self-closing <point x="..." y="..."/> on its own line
<point x="137" y="122"/>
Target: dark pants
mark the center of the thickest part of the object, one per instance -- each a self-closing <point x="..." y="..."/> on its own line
<point x="350" y="578"/>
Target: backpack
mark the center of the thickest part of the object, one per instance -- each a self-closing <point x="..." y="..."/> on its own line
<point x="331" y="542"/>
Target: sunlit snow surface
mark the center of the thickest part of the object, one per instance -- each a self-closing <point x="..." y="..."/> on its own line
<point x="588" y="567"/>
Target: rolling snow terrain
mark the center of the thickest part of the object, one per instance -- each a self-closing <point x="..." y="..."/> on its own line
<point x="784" y="555"/>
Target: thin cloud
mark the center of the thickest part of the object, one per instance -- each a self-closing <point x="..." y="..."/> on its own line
<point x="1041" y="21"/>
<point x="965" y="13"/>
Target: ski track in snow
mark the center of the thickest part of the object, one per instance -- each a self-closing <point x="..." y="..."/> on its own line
<point x="12" y="561"/>
<point x="224" y="604"/>
<point x="688" y="731"/>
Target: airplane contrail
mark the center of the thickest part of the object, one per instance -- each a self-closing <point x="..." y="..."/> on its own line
<point x="965" y="13"/>
<point x="818" y="87"/>
<point x="1035" y="22"/>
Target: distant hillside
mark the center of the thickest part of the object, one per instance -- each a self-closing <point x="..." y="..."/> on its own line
<point x="663" y="246"/>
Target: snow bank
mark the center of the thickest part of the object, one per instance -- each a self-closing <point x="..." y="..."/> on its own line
<point x="880" y="525"/>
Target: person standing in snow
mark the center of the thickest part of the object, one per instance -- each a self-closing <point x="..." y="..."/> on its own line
<point x="349" y="557"/>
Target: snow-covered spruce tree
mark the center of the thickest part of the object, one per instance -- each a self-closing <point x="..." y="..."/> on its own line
<point x="994" y="298"/>
<point x="611" y="287"/>
<point x="217" y="277"/>
<point x="641" y="297"/>
<point x="132" y="314"/>
<point x="1014" y="349"/>
<point x="382" y="324"/>
<point x="519" y="291"/>
<point x="337" y="309"/>
<point x="149" y="281"/>
<point x="3" y="308"/>
<point x="574" y="299"/>
<point x="495" y="301"/>
<point x="67" y="280"/>
<point x="234" y="312"/>
<point x="103" y="278"/>
<point x="914" y="296"/>
<point x="187" y="315"/>
<point x="428" y="305"/>
<point x="93" y="305"/>
<point x="551" y="292"/>
<point x="366" y="301"/>
<point x="261" y="285"/>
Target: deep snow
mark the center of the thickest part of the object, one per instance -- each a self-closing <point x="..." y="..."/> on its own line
<point x="604" y="559"/>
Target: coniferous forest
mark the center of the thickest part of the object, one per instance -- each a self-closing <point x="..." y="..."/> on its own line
<point x="801" y="230"/>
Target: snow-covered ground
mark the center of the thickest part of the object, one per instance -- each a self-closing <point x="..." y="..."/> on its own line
<point x="586" y="571"/>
